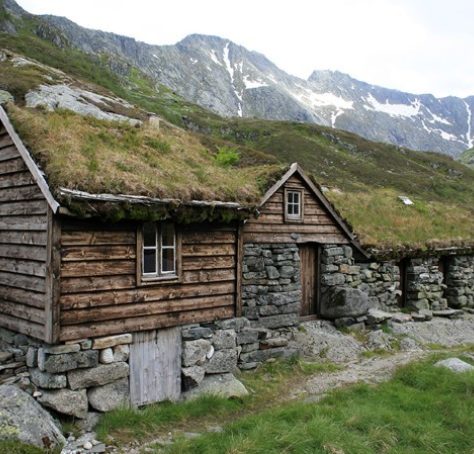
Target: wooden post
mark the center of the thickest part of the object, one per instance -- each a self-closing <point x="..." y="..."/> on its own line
<point x="238" y="270"/>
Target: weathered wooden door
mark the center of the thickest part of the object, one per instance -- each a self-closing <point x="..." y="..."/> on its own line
<point x="155" y="366"/>
<point x="309" y="256"/>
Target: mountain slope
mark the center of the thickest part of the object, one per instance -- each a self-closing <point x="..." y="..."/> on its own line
<point x="230" y="80"/>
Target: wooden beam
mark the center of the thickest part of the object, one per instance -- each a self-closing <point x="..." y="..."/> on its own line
<point x="238" y="270"/>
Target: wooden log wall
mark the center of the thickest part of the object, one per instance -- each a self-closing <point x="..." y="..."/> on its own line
<point x="23" y="244"/>
<point x="270" y="227"/>
<point x="100" y="294"/>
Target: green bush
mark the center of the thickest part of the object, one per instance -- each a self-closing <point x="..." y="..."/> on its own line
<point x="227" y="156"/>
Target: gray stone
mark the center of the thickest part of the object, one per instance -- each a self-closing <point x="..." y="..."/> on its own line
<point x="97" y="376"/>
<point x="225" y="338"/>
<point x="455" y="364"/>
<point x="400" y="317"/>
<point x="121" y="353"/>
<point x="60" y="349"/>
<point x="106" y="356"/>
<point x="339" y="302"/>
<point x="225" y="385"/>
<point x="196" y="332"/>
<point x="65" y="401"/>
<point x="67" y="361"/>
<point x="5" y="97"/>
<point x="22" y="418"/>
<point x="111" y="396"/>
<point x="5" y="356"/>
<point x="450" y="313"/>
<point x="47" y="380"/>
<point x="247" y="336"/>
<point x="273" y="343"/>
<point x="236" y="324"/>
<point x="222" y="361"/>
<point x="272" y="272"/>
<point x="195" y="352"/>
<point x="279" y="321"/>
<point x="31" y="357"/>
<point x="376" y="316"/>
<point x="192" y="376"/>
<point x="378" y="340"/>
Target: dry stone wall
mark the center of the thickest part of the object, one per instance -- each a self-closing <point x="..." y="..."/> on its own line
<point x="459" y="280"/>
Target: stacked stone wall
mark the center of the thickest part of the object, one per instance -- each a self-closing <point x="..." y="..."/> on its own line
<point x="459" y="280"/>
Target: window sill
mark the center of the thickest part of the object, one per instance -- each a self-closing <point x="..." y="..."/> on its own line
<point x="171" y="279"/>
<point x="294" y="220"/>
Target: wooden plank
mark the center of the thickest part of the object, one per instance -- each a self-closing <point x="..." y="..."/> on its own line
<point x="24" y="238"/>
<point x="37" y="223"/>
<point x="190" y="250"/>
<point x="22" y="296"/>
<point x="206" y="263"/>
<point x="238" y="271"/>
<point x="29" y="192"/>
<point x="28" y="267"/>
<point x="323" y="238"/>
<point x="22" y="311"/>
<point x="208" y="237"/>
<point x="71" y="253"/>
<point x="160" y="292"/>
<point x="97" y="268"/>
<point x="88" y="315"/>
<point x="208" y="275"/>
<point x="135" y="324"/>
<point x="12" y="165"/>
<point x="22" y="326"/>
<point x="25" y="207"/>
<point x="22" y="281"/>
<point x="97" y="238"/>
<point x="5" y="140"/>
<point x="8" y="151"/>
<point x="16" y="179"/>
<point x="18" y="251"/>
<point x="290" y="228"/>
<point x="96" y="283"/>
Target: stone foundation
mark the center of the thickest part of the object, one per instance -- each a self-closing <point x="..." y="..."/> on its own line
<point x="459" y="280"/>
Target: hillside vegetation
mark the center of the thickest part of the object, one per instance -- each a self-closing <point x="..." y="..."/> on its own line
<point x="362" y="178"/>
<point x="467" y="157"/>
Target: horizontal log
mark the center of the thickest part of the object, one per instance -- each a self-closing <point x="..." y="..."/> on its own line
<point x="208" y="237"/>
<point x="192" y="250"/>
<point x="25" y="237"/>
<point x="5" y="140"/>
<point x="22" y="326"/>
<point x="22" y="296"/>
<point x="71" y="253"/>
<point x="290" y="228"/>
<point x="97" y="238"/>
<point x="209" y="275"/>
<point x="96" y="283"/>
<point x="16" y="179"/>
<point x="27" y="207"/>
<point x="208" y="263"/>
<point x="98" y="268"/>
<point x="12" y="165"/>
<point x="13" y="265"/>
<point x="29" y="192"/>
<point x="37" y="223"/>
<point x="8" y="151"/>
<point x="17" y="251"/>
<point x="22" y="311"/>
<point x="74" y="332"/>
<point x="22" y="281"/>
<point x="159" y="292"/>
<point x="287" y="238"/>
<point x="106" y="313"/>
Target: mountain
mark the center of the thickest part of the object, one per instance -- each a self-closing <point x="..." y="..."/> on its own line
<point x="230" y="80"/>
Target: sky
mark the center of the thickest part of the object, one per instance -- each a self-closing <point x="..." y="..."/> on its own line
<point x="418" y="46"/>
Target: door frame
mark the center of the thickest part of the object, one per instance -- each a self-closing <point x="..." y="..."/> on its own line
<point x="317" y="282"/>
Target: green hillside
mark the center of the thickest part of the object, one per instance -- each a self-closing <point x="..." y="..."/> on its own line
<point x="467" y="157"/>
<point x="362" y="178"/>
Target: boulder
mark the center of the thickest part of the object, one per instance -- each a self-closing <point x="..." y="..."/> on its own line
<point x="225" y="338"/>
<point x="195" y="352"/>
<point x="225" y="385"/>
<point x="97" y="376"/>
<point x="222" y="361"/>
<point x="455" y="364"/>
<point x="110" y="396"/>
<point x="376" y="316"/>
<point x="192" y="376"/>
<point x="65" y="401"/>
<point x="22" y="418"/>
<point x="47" y="380"/>
<point x="339" y="302"/>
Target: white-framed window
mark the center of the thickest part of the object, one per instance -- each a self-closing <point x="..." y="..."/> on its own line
<point x="293" y="205"/>
<point x="158" y="250"/>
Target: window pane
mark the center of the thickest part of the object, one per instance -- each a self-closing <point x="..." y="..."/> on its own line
<point x="167" y="235"/>
<point x="149" y="261"/>
<point x="149" y="234"/>
<point x="167" y="260"/>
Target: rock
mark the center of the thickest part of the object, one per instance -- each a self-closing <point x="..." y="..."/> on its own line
<point x="455" y="364"/>
<point x="400" y="317"/>
<point x="247" y="336"/>
<point x="121" y="353"/>
<point x="237" y="323"/>
<point x="225" y="385"/>
<point x="22" y="418"/>
<point x="273" y="343"/>
<point x="225" y="338"/>
<point x="5" y="356"/>
<point x="407" y="344"/>
<point x="423" y="315"/>
<point x="223" y="361"/>
<point x="339" y="302"/>
<point x="60" y="349"/>
<point x="196" y="332"/>
<point x="68" y="361"/>
<point x="378" y="340"/>
<point x="280" y="321"/>
<point x="450" y="313"/>
<point x="194" y="352"/>
<point x="89" y="422"/>
<point x="87" y="445"/>
<point x="110" y="396"/>
<point x="47" y="380"/>
<point x="376" y="316"/>
<point x="106" y="356"/>
<point x="192" y="376"/>
<point x="65" y="401"/>
<point x="97" y="376"/>
<point x="111" y="341"/>
<point x="31" y="357"/>
<point x="5" y="97"/>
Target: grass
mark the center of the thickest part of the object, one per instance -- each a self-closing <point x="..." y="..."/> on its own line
<point x="422" y="410"/>
<point x="17" y="447"/>
<point x="467" y="157"/>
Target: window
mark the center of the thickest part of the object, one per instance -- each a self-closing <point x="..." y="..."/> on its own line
<point x="158" y="250"/>
<point x="293" y="205"/>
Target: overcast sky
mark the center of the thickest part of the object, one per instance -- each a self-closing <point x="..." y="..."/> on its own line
<point x="418" y="46"/>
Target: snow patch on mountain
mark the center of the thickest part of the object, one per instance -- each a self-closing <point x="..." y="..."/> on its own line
<point x="394" y="110"/>
<point x="249" y="84"/>
<point x="469" y="139"/>
<point x="214" y="57"/>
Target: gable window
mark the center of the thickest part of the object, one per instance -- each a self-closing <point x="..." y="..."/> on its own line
<point x="158" y="250"/>
<point x="293" y="205"/>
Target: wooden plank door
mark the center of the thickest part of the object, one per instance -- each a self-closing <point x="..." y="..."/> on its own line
<point x="155" y="366"/>
<point x="309" y="256"/>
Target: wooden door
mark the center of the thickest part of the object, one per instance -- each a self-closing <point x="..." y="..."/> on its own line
<point x="155" y="366"/>
<point x="309" y="256"/>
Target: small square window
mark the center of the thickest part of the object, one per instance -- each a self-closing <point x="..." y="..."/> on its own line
<point x="293" y="205"/>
